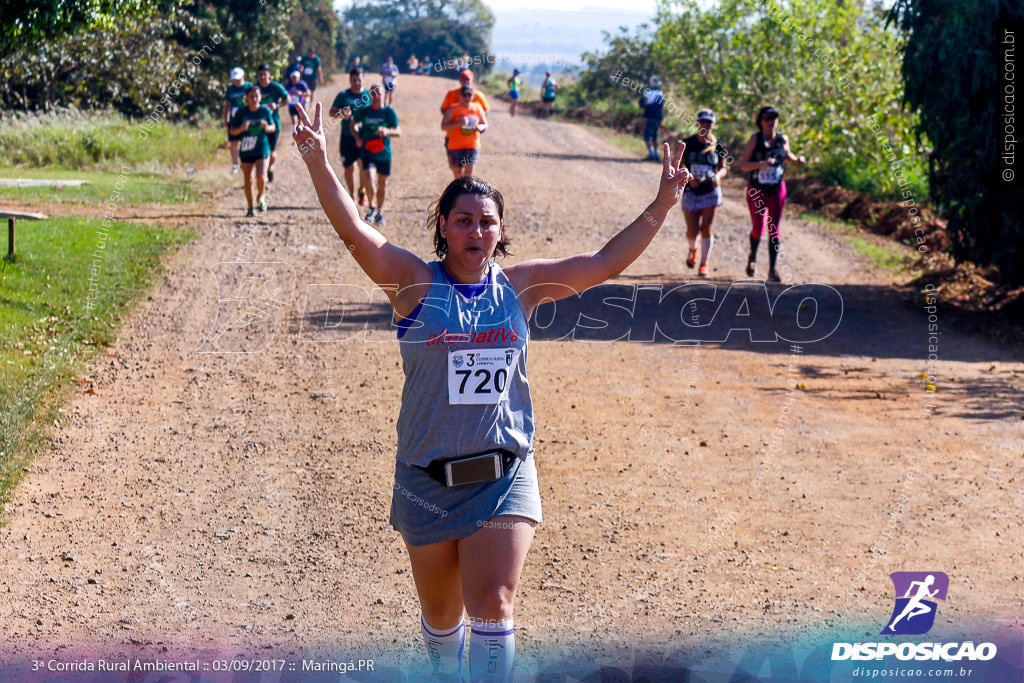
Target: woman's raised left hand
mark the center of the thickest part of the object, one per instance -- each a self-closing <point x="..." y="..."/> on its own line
<point x="674" y="175"/>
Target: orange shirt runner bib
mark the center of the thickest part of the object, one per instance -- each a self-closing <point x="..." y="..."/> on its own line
<point x="459" y="138"/>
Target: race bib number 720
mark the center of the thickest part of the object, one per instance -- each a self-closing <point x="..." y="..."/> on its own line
<point x="480" y="376"/>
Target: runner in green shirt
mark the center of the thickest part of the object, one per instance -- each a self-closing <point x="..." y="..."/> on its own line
<point x="514" y="84"/>
<point x="273" y="96"/>
<point x="373" y="128"/>
<point x="312" y="73"/>
<point x="234" y="99"/>
<point x="252" y="123"/>
<point x="345" y="104"/>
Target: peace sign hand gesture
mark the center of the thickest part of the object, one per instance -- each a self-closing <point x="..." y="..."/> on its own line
<point x="309" y="135"/>
<point x="674" y="175"/>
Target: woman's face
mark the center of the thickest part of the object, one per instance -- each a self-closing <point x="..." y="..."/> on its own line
<point x="252" y="98"/>
<point x="704" y="126"/>
<point x="768" y="124"/>
<point x="472" y="229"/>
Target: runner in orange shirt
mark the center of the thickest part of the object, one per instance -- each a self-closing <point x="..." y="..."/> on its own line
<point x="452" y="97"/>
<point x="463" y="123"/>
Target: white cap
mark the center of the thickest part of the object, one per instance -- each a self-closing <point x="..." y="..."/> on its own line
<point x="655" y="81"/>
<point x="237" y="74"/>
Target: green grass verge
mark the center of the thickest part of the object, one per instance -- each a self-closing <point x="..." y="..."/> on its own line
<point x="58" y="304"/>
<point x="106" y="141"/>
<point x="886" y="255"/>
<point x="129" y="189"/>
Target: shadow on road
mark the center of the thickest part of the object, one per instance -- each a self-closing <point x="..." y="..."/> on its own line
<point x="747" y="315"/>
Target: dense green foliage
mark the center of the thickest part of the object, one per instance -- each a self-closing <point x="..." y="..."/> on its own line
<point x="172" y="61"/>
<point x="443" y="30"/>
<point x="628" y="56"/>
<point x="313" y="23"/>
<point x="961" y="113"/>
<point x="831" y="68"/>
<point x="49" y="325"/>
<point x="29" y="22"/>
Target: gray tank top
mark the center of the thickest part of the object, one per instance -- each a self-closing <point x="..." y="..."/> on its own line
<point x="464" y="360"/>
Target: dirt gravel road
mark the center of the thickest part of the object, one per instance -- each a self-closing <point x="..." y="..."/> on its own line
<point x="224" y="488"/>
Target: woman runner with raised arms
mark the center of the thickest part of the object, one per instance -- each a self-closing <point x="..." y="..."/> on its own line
<point x="466" y="498"/>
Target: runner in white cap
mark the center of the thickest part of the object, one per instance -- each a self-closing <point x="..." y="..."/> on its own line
<point x="234" y="99"/>
<point x="705" y="158"/>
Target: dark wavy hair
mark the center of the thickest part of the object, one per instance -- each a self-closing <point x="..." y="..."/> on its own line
<point x="443" y="207"/>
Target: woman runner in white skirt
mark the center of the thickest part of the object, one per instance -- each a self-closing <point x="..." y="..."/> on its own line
<point x="705" y="159"/>
<point x="466" y="497"/>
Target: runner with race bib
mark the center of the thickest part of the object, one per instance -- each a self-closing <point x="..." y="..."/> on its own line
<point x="466" y="496"/>
<point x="346" y="103"/>
<point x="389" y="77"/>
<point x="312" y="72"/>
<point x="273" y="95"/>
<point x="463" y="123"/>
<point x="764" y="158"/>
<point x="373" y="127"/>
<point x="298" y="92"/>
<point x="705" y="158"/>
<point x="252" y="123"/>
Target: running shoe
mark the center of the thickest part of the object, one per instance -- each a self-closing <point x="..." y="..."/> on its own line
<point x="691" y="258"/>
<point x="378" y="218"/>
<point x="362" y="196"/>
<point x="249" y="213"/>
<point x="750" y="268"/>
<point x="703" y="270"/>
<point x="270" y="175"/>
<point x="773" y="276"/>
<point x="262" y="206"/>
<point x="369" y="214"/>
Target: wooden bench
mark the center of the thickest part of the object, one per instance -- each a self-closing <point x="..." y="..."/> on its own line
<point x="11" y="216"/>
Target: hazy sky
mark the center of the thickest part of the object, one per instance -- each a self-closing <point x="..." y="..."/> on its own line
<point x="640" y="6"/>
<point x="644" y="7"/>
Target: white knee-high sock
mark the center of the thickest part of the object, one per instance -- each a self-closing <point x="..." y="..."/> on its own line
<point x="445" y="647"/>
<point x="492" y="647"/>
<point x="705" y="248"/>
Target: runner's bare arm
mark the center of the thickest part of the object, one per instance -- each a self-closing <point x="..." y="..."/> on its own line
<point x="746" y="164"/>
<point x="541" y="279"/>
<point x="793" y="158"/>
<point x="449" y="122"/>
<point x="389" y="266"/>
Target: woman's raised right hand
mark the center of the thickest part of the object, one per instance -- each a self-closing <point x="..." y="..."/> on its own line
<point x="309" y="135"/>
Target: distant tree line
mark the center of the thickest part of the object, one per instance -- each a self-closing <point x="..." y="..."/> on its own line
<point x="444" y="31"/>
